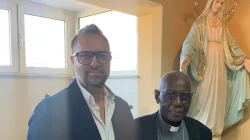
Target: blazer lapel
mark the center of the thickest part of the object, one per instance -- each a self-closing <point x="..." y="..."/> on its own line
<point x="192" y="132"/>
<point x="148" y="127"/>
<point x="154" y="135"/>
<point x="80" y="109"/>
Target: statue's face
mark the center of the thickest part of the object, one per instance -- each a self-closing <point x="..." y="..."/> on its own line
<point x="217" y="5"/>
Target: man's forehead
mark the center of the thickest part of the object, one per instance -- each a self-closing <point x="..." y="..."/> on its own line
<point x="92" y="41"/>
<point x="175" y="85"/>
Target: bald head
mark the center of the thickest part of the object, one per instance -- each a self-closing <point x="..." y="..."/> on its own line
<point x="174" y="96"/>
<point x="175" y="80"/>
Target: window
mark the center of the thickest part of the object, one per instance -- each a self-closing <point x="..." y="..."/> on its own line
<point x="45" y="36"/>
<point x="121" y="31"/>
<point x="44" y="46"/>
<point x="5" y="59"/>
<point x="8" y="38"/>
<point x="35" y="39"/>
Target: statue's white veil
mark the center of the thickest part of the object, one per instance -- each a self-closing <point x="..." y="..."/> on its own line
<point x="207" y="9"/>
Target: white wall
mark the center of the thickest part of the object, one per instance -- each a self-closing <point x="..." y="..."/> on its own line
<point x="126" y="88"/>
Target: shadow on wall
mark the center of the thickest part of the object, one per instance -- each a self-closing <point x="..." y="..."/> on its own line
<point x="188" y="20"/>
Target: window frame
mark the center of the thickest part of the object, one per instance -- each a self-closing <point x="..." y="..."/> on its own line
<point x="113" y="74"/>
<point x="14" y="67"/>
<point x="46" y="12"/>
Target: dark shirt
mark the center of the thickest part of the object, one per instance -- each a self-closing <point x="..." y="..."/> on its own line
<point x="147" y="129"/>
<point x="168" y="132"/>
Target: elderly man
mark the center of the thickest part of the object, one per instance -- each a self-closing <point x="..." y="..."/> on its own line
<point x="87" y="109"/>
<point x="171" y="122"/>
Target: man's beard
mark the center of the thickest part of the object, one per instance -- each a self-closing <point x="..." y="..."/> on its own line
<point x="92" y="81"/>
<point x="95" y="81"/>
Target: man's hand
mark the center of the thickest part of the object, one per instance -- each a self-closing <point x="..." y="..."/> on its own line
<point x="185" y="63"/>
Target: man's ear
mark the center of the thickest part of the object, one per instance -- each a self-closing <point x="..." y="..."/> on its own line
<point x="72" y="60"/>
<point x="157" y="96"/>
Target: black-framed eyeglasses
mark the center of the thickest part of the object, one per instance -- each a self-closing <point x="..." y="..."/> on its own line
<point x="172" y="96"/>
<point x="86" y="57"/>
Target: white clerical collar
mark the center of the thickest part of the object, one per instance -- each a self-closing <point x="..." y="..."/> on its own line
<point x="174" y="129"/>
<point x="165" y="126"/>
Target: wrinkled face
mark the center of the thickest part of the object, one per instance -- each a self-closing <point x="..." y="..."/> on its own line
<point x="174" y="100"/>
<point x="217" y="5"/>
<point x="91" y="60"/>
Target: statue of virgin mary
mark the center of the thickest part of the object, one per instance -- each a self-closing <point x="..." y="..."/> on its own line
<point x="216" y="66"/>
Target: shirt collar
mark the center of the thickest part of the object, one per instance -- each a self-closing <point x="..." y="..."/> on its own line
<point x="164" y="126"/>
<point x="90" y="99"/>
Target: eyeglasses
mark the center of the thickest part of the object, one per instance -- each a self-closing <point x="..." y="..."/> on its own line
<point x="86" y="57"/>
<point x="172" y="96"/>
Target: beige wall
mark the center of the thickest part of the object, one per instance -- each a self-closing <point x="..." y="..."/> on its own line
<point x="147" y="25"/>
<point x="239" y="24"/>
<point x="175" y="30"/>
<point x="18" y="97"/>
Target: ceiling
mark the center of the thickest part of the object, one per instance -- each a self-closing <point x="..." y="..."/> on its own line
<point x="134" y="7"/>
<point x="72" y="5"/>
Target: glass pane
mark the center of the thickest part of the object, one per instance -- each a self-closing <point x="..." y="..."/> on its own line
<point x="121" y="31"/>
<point x="44" y="42"/>
<point x="4" y="38"/>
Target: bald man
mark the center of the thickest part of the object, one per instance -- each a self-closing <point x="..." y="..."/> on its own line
<point x="171" y="122"/>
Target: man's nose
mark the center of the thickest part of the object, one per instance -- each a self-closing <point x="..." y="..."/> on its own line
<point x="177" y="100"/>
<point x="94" y="62"/>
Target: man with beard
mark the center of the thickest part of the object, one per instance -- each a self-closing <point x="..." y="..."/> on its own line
<point x="87" y="109"/>
<point x="171" y="122"/>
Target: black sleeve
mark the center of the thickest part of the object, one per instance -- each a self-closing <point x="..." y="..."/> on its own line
<point x="130" y="124"/>
<point x="124" y="121"/>
<point x="206" y="134"/>
<point x="39" y="123"/>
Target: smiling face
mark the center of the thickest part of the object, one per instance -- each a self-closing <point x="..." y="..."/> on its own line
<point x="216" y="6"/>
<point x="174" y="97"/>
